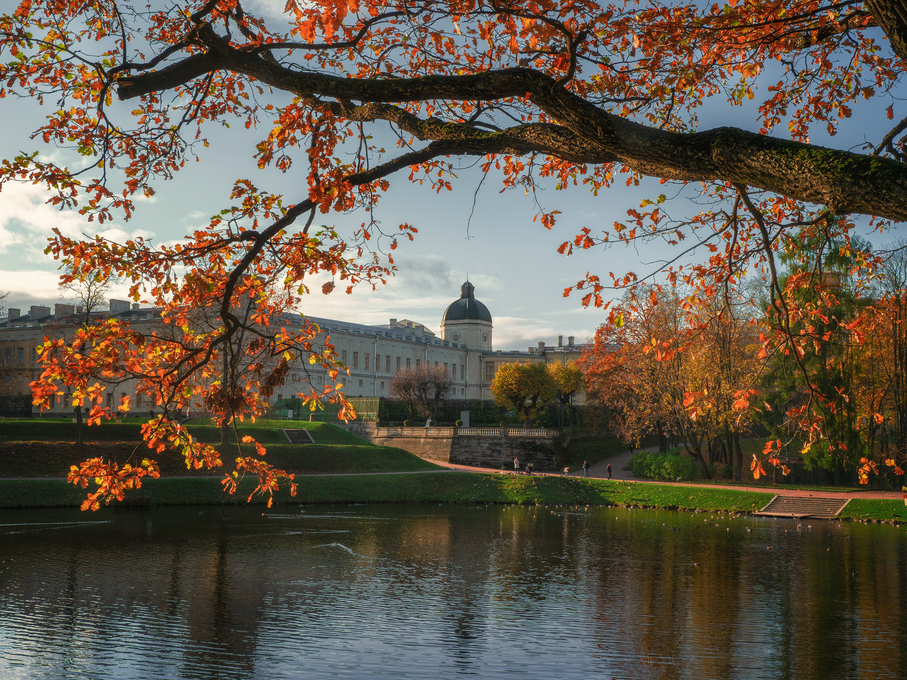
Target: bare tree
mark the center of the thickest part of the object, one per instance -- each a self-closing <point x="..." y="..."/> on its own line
<point x="90" y="294"/>
<point x="422" y="389"/>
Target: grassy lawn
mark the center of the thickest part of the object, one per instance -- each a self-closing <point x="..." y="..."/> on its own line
<point x="265" y="431"/>
<point x="440" y="487"/>
<point x="53" y="459"/>
<point x="880" y="510"/>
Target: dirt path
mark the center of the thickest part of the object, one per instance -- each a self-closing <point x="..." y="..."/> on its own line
<point x="619" y="462"/>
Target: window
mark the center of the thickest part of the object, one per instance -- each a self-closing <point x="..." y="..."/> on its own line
<point x="462" y="371"/>
<point x="19" y="378"/>
<point x="382" y="384"/>
<point x="436" y="364"/>
<point x="489" y="370"/>
<point x="20" y="355"/>
<point x="9" y="355"/>
<point x="343" y="356"/>
<point x="377" y="362"/>
<point x="360" y="383"/>
<point x="398" y="364"/>
<point x="418" y="363"/>
<point x="355" y="359"/>
<point x="445" y="368"/>
<point x="456" y="338"/>
<point x="409" y="362"/>
<point x="387" y="364"/>
<point x="453" y="371"/>
<point x="365" y="361"/>
<point x="53" y="401"/>
<point x="109" y="400"/>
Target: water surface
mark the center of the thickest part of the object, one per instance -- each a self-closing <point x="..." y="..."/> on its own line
<point x="447" y="592"/>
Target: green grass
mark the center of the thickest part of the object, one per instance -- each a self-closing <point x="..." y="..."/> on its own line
<point x="441" y="487"/>
<point x="129" y="430"/>
<point x="53" y="459"/>
<point x="880" y="510"/>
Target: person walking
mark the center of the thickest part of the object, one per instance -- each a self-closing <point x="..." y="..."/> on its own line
<point x="585" y="468"/>
<point x="516" y="465"/>
<point x="609" y="470"/>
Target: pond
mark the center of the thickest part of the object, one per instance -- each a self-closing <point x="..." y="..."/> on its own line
<point x="447" y="592"/>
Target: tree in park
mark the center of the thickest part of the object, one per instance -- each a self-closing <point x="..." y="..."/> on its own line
<point x="523" y="387"/>
<point x="633" y="367"/>
<point x="575" y="93"/>
<point x="422" y="388"/>
<point x="568" y="380"/>
<point x="679" y="368"/>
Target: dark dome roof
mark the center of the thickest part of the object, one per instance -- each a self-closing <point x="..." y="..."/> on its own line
<point x="467" y="308"/>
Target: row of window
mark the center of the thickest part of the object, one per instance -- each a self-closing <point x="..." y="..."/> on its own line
<point x="366" y="364"/>
<point x="20" y="355"/>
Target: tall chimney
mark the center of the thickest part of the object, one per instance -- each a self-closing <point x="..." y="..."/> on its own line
<point x="560" y="341"/>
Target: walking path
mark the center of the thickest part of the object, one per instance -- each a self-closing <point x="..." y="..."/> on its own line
<point x="619" y="462"/>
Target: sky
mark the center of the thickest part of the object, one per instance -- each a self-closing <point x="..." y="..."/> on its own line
<point x="474" y="231"/>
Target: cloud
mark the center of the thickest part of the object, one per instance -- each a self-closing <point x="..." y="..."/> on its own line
<point x="512" y="332"/>
<point x="424" y="273"/>
<point x="26" y="221"/>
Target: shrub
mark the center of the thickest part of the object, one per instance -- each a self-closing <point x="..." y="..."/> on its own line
<point x="662" y="466"/>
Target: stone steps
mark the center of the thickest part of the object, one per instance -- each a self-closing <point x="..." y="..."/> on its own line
<point x="803" y="506"/>
<point x="299" y="436"/>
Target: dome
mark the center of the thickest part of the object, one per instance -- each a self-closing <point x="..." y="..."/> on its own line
<point x="467" y="308"/>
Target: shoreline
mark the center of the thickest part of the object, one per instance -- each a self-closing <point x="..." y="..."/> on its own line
<point x="439" y="487"/>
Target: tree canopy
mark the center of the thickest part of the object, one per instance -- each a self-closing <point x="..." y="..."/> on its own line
<point x="588" y="93"/>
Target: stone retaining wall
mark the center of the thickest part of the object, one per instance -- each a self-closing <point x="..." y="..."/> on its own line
<point x="491" y="452"/>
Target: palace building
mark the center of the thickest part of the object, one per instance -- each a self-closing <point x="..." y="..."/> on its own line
<point x="372" y="353"/>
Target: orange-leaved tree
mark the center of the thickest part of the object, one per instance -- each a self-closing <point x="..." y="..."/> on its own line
<point x="582" y="92"/>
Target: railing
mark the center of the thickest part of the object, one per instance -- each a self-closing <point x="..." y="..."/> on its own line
<point x="462" y="432"/>
<point x="415" y="432"/>
<point x="503" y="432"/>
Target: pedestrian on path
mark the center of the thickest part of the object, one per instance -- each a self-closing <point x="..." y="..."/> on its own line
<point x="567" y="471"/>
<point x="609" y="470"/>
<point x="586" y="468"/>
<point x="516" y="465"/>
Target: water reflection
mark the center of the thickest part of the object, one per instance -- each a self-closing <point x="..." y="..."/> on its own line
<point x="447" y="592"/>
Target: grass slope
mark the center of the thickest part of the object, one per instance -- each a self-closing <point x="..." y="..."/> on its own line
<point x="53" y="459"/>
<point x="440" y="487"/>
<point x="266" y="432"/>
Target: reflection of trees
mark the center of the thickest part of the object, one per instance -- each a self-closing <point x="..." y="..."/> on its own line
<point x="465" y="585"/>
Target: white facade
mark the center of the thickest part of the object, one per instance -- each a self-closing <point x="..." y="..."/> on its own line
<point x="373" y="354"/>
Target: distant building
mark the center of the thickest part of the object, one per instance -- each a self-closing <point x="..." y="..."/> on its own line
<point x="373" y="354"/>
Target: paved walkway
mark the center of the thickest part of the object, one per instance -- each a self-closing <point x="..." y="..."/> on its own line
<point x="619" y="462"/>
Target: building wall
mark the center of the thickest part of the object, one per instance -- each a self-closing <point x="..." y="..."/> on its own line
<point x="373" y="354"/>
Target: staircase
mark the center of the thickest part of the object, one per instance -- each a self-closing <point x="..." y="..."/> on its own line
<point x="299" y="436"/>
<point x="803" y="506"/>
